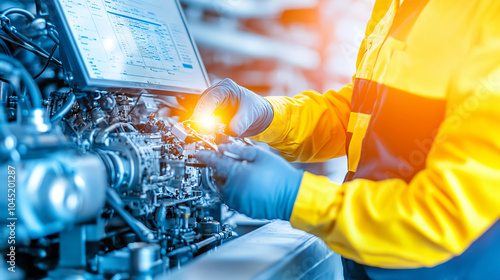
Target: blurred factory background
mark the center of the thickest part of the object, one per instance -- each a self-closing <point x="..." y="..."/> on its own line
<point x="281" y="47"/>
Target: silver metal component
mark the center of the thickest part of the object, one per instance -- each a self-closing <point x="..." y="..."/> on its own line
<point x="274" y="251"/>
<point x="144" y="257"/>
<point x="179" y="131"/>
<point x="137" y="259"/>
<point x="111" y="184"/>
<point x="149" y="104"/>
<point x="55" y="191"/>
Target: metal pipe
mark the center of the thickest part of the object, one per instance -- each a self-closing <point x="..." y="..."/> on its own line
<point x="193" y="248"/>
<point x="116" y="125"/>
<point x="104" y="133"/>
<point x="144" y="233"/>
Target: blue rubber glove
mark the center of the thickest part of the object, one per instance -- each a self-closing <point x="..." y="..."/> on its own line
<point x="246" y="112"/>
<point x="261" y="185"/>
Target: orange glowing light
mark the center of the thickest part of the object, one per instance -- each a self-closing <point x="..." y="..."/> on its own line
<point x="207" y="123"/>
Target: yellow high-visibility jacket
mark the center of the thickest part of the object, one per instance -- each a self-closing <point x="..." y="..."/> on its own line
<point x="421" y="128"/>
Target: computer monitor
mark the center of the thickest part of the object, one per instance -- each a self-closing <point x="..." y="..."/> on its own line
<point x="129" y="45"/>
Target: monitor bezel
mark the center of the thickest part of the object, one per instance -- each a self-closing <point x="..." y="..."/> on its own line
<point x="73" y="62"/>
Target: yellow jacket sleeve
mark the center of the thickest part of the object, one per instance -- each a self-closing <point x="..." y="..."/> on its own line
<point x="310" y="126"/>
<point x="444" y="207"/>
<point x="440" y="212"/>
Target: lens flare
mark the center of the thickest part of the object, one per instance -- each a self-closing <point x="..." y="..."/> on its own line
<point x="207" y="123"/>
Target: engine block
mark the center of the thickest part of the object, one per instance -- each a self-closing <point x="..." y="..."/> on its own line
<point x="107" y="183"/>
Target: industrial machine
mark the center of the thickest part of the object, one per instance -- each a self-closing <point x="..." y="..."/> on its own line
<point x="98" y="177"/>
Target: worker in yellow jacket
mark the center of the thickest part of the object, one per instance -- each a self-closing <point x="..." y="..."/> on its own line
<point x="420" y="125"/>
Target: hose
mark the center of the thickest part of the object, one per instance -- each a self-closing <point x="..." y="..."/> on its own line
<point x="12" y="32"/>
<point x="105" y="132"/>
<point x="23" y="12"/>
<point x="193" y="248"/>
<point x="30" y="48"/>
<point x="65" y="108"/>
<point x="116" y="125"/>
<point x="46" y="63"/>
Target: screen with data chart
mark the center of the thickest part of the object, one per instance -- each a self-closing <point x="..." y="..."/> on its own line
<point x="134" y="44"/>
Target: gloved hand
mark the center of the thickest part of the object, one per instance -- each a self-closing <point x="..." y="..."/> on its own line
<point x="262" y="185"/>
<point x="247" y="113"/>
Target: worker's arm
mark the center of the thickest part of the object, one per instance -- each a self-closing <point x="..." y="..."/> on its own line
<point x="309" y="126"/>
<point x="389" y="223"/>
<point x="449" y="204"/>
